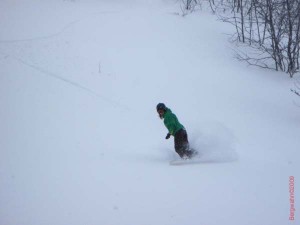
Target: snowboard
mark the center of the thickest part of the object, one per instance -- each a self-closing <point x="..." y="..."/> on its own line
<point x="180" y="162"/>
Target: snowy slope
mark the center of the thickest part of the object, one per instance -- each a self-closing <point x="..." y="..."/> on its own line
<point x="81" y="142"/>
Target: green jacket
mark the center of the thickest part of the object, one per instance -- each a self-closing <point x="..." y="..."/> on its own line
<point x="171" y="122"/>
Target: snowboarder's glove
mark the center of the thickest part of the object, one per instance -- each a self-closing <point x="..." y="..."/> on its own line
<point x="168" y="136"/>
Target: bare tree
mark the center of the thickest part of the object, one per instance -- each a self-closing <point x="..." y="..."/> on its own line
<point x="297" y="90"/>
<point x="270" y="27"/>
<point x="188" y="6"/>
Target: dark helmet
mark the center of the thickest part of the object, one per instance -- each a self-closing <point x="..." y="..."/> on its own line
<point x="161" y="106"/>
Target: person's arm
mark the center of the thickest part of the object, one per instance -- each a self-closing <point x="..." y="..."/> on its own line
<point x="170" y="123"/>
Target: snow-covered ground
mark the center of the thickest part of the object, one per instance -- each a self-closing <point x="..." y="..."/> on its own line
<point x="81" y="142"/>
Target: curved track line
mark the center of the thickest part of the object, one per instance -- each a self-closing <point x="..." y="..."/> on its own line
<point x="65" y="80"/>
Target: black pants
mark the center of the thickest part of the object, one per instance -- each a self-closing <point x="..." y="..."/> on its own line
<point x="182" y="146"/>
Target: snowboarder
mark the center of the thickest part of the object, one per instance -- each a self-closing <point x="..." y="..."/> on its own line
<point x="177" y="130"/>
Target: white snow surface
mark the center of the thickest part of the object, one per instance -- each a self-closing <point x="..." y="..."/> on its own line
<point x="80" y="139"/>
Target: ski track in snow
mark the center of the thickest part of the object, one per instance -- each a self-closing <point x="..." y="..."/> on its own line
<point x="67" y="81"/>
<point x="42" y="37"/>
<point x="64" y="29"/>
<point x="58" y="77"/>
